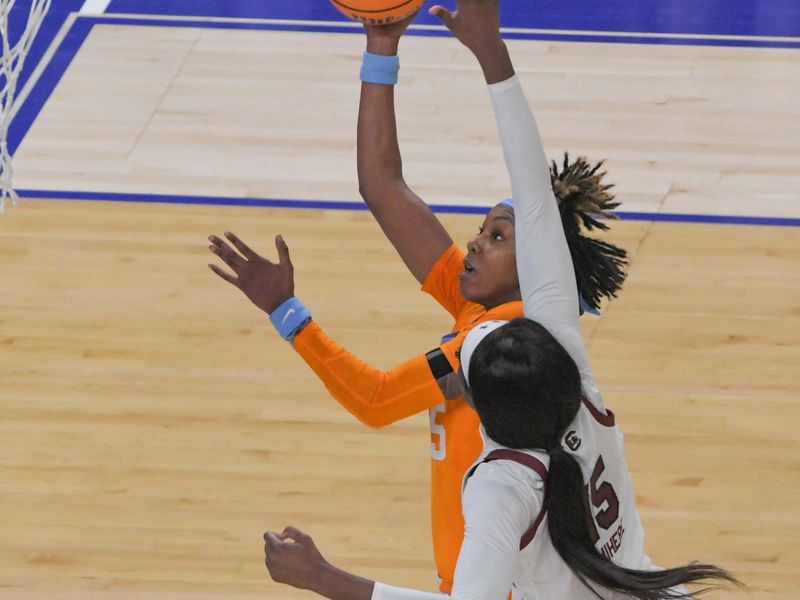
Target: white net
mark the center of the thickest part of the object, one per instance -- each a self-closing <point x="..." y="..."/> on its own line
<point x="11" y="63"/>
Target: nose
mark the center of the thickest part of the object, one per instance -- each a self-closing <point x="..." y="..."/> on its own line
<point x="473" y="246"/>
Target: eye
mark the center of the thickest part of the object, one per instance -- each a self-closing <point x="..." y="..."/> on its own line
<point x="497" y="235"/>
<point x="480" y="230"/>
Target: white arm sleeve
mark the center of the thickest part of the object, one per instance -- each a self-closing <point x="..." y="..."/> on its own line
<point x="544" y="264"/>
<point x="496" y="514"/>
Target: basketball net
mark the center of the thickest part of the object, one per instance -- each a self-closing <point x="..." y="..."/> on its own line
<point x="11" y="63"/>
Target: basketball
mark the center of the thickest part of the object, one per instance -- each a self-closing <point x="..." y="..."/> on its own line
<point x="377" y="12"/>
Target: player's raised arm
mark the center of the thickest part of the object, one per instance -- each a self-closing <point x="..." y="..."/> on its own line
<point x="546" y="275"/>
<point x="407" y="221"/>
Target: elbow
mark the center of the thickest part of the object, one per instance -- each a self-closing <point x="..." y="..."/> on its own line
<point x="374" y="419"/>
<point x="373" y="410"/>
<point x="364" y="409"/>
<point x="372" y="194"/>
<point x="374" y="186"/>
<point x="364" y="191"/>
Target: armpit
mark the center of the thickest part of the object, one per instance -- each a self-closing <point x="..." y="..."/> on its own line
<point x="451" y="386"/>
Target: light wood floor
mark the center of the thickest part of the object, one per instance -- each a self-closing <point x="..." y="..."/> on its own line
<point x="153" y="424"/>
<point x="272" y="114"/>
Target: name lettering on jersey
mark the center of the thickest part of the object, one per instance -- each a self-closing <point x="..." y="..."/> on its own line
<point x="572" y="440"/>
<point x="614" y="543"/>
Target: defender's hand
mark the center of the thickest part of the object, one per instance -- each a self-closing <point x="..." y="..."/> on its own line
<point x="476" y="23"/>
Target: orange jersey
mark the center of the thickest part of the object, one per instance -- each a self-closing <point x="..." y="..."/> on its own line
<point x="379" y="398"/>
<point x="455" y="439"/>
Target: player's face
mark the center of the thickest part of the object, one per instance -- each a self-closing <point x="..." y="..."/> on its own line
<point x="490" y="267"/>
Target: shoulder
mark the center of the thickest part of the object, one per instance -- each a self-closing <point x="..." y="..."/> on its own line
<point x="447" y="266"/>
<point x="503" y="490"/>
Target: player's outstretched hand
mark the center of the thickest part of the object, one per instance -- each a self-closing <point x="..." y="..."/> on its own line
<point x="476" y="23"/>
<point x="292" y="558"/>
<point x="266" y="283"/>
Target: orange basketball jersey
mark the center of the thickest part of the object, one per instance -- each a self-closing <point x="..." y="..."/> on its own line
<point x="455" y="439"/>
<point x="379" y="398"/>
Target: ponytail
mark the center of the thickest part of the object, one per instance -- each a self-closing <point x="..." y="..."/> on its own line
<point x="569" y="522"/>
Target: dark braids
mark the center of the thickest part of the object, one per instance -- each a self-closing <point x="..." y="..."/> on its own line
<point x="583" y="199"/>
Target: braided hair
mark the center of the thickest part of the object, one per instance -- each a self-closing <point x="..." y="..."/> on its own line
<point x="583" y="199"/>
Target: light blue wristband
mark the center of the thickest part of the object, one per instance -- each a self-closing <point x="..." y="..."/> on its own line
<point x="376" y="68"/>
<point x="290" y="317"/>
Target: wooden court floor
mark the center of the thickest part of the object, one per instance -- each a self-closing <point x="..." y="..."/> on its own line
<point x="153" y="425"/>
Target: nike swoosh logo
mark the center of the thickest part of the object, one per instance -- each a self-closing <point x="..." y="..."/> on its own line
<point x="288" y="314"/>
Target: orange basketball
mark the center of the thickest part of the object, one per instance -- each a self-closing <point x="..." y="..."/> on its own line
<point x="377" y="12"/>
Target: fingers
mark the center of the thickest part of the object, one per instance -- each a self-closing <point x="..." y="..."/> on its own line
<point x="246" y="251"/>
<point x="444" y="15"/>
<point x="226" y="276"/>
<point x="226" y="253"/>
<point x="295" y="534"/>
<point x="272" y="541"/>
<point x="283" y="251"/>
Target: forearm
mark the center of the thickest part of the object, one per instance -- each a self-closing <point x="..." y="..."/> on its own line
<point x="523" y="151"/>
<point x="494" y="60"/>
<point x="378" y="152"/>
<point x="546" y="274"/>
<point x="374" y="397"/>
<point x="339" y="585"/>
<point x="547" y="281"/>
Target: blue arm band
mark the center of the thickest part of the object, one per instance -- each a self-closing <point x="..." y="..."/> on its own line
<point x="376" y="68"/>
<point x="290" y="317"/>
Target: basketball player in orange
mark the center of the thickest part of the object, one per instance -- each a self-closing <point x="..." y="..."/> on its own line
<point x="476" y="286"/>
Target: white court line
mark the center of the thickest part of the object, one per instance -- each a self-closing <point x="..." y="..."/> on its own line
<point x="23" y="94"/>
<point x="517" y="30"/>
<point x="90" y="7"/>
<point x="94" y="7"/>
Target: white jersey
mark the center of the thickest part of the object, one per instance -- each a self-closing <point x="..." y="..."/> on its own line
<point x="507" y="545"/>
<point x="596" y="443"/>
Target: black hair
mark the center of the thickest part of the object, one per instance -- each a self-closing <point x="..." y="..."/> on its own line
<point x="584" y="201"/>
<point x="527" y="390"/>
<point x="525" y="386"/>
